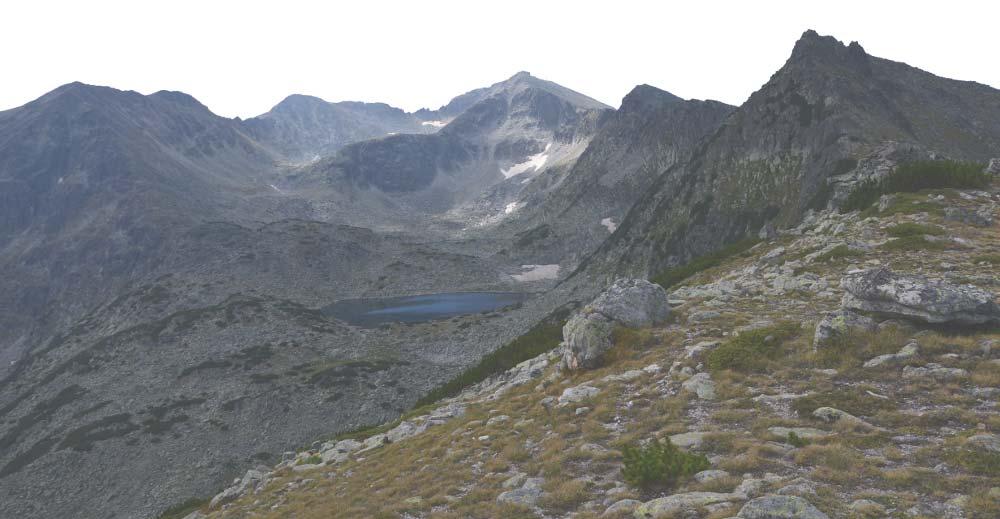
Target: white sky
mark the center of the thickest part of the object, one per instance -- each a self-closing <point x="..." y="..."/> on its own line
<point x="242" y="57"/>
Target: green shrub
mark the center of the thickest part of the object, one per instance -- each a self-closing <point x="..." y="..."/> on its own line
<point x="853" y="400"/>
<point x="913" y="229"/>
<point x="311" y="460"/>
<point x="915" y="176"/>
<point x="912" y="243"/>
<point x="675" y="275"/>
<point x="750" y="350"/>
<point x="795" y="440"/>
<point x="839" y="252"/>
<point x="541" y="338"/>
<point x="978" y="461"/>
<point x="987" y="258"/>
<point x="659" y="464"/>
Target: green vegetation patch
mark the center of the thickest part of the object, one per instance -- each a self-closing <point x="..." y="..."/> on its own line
<point x="750" y="350"/>
<point x="915" y="176"/>
<point x="907" y="229"/>
<point x="841" y="251"/>
<point x="541" y="338"/>
<point x="912" y="243"/>
<point x="675" y="275"/>
<point x="854" y="400"/>
<point x="660" y="464"/>
<point x="181" y="510"/>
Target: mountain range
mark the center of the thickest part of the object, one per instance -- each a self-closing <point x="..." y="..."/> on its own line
<point x="168" y="273"/>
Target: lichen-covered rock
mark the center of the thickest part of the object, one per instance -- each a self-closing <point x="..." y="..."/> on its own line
<point x="586" y="336"/>
<point x="838" y="324"/>
<point x="982" y="217"/>
<point x="994" y="167"/>
<point x="884" y="292"/>
<point x="701" y="384"/>
<point x="906" y="352"/>
<point x="934" y="371"/>
<point x="780" y="507"/>
<point x="671" y="505"/>
<point x="527" y="495"/>
<point x="577" y="394"/>
<point x="633" y="303"/>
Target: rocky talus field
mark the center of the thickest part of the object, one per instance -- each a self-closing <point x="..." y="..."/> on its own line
<point x="846" y="367"/>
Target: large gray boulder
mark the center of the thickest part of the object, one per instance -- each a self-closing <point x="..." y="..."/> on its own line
<point x="633" y="303"/>
<point x="994" y="167"/>
<point x="780" y="507"/>
<point x="883" y="292"/>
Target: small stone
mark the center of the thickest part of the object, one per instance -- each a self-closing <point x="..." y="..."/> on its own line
<point x="581" y="411"/>
<point x="710" y="475"/>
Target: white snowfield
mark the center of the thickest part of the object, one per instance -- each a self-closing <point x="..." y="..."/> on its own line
<point x="511" y="207"/>
<point x="609" y="224"/>
<point x="436" y="124"/>
<point x="537" y="273"/>
<point x="534" y="163"/>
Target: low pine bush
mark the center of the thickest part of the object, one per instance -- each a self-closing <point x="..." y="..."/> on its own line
<point x="675" y="275"/>
<point x="750" y="350"/>
<point x="659" y="464"/>
<point x="915" y="176"/>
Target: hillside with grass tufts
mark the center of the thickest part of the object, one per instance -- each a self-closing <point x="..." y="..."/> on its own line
<point x="847" y="367"/>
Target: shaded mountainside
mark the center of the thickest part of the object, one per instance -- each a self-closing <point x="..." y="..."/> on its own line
<point x="572" y="215"/>
<point x="826" y="109"/>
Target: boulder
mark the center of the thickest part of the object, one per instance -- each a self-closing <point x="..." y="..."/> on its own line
<point x="840" y="323"/>
<point x="806" y="433"/>
<point x="586" y="336"/>
<point x="340" y="451"/>
<point x="984" y="442"/>
<point x="907" y="352"/>
<point x="883" y="292"/>
<point x="621" y="507"/>
<point x="633" y="303"/>
<point x="701" y="385"/>
<point x="832" y="414"/>
<point x="934" y="371"/>
<point x="670" y="506"/>
<point x="527" y="495"/>
<point x="780" y="507"/>
<point x="577" y="394"/>
<point x="710" y="475"/>
<point x="250" y="481"/>
<point x="994" y="167"/>
<point x="982" y="217"/>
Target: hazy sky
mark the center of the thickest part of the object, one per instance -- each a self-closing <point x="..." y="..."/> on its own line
<point x="242" y="57"/>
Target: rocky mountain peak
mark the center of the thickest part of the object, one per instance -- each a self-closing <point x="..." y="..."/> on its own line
<point x="647" y="98"/>
<point x="814" y="49"/>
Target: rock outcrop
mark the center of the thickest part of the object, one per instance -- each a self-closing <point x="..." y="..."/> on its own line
<point x="839" y="324"/>
<point x="633" y="303"/>
<point x="883" y="292"/>
<point x="780" y="507"/>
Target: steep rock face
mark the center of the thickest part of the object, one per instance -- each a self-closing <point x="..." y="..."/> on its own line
<point x="650" y="132"/>
<point x="830" y="105"/>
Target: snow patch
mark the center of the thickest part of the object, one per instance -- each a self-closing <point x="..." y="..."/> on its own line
<point x="274" y="187"/>
<point x="436" y="124"/>
<point x="534" y="162"/>
<point x="537" y="273"/>
<point x="511" y="207"/>
<point x="609" y="224"/>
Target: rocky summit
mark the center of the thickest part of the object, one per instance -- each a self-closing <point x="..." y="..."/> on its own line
<point x="524" y="303"/>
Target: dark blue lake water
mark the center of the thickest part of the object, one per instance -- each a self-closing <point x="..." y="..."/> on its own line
<point x="415" y="309"/>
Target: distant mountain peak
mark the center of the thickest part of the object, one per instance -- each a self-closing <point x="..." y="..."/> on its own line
<point x="646" y="97"/>
<point x="812" y="47"/>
